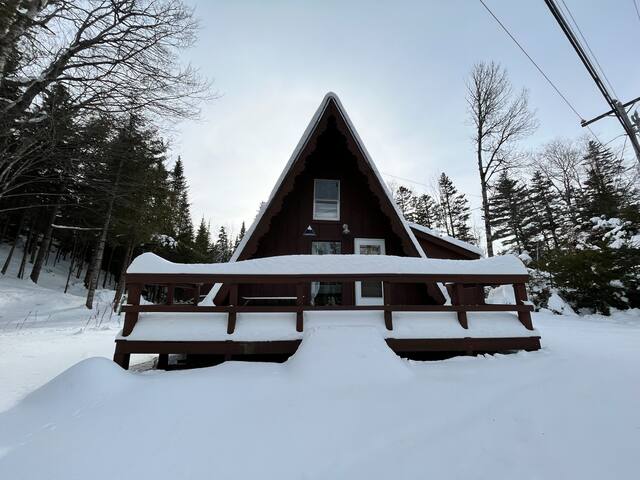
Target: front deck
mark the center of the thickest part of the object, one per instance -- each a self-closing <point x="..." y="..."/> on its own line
<point x="237" y="330"/>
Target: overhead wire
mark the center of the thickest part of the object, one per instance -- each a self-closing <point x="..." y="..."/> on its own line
<point x="595" y="58"/>
<point x="546" y="77"/>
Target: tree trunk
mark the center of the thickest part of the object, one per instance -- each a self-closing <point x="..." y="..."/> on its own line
<point x="96" y="261"/>
<point x="486" y="214"/>
<point x="33" y="248"/>
<point x="97" y="258"/>
<point x="123" y="272"/>
<point x="83" y="253"/>
<point x="27" y="246"/>
<point x="108" y="270"/>
<point x="73" y="256"/>
<point x="87" y="274"/>
<point x="485" y="198"/>
<point x="5" y="227"/>
<point x="44" y="245"/>
<point x="7" y="262"/>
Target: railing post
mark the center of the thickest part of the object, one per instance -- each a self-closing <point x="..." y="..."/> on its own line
<point x="457" y="300"/>
<point x="171" y="289"/>
<point x="520" y="292"/>
<point x="196" y="293"/>
<point x="133" y="298"/>
<point x="300" y="303"/>
<point x="388" y="316"/>
<point x="233" y="303"/>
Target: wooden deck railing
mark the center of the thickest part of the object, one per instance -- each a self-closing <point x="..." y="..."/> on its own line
<point x="137" y="281"/>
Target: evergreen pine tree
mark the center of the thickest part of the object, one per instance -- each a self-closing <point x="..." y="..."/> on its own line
<point x="511" y="213"/>
<point x="546" y="214"/>
<point x="202" y="242"/>
<point x="454" y="209"/>
<point x="404" y="199"/>
<point x="425" y="211"/>
<point x="603" y="193"/>
<point x="240" y="236"/>
<point x="222" y="246"/>
<point x="182" y="224"/>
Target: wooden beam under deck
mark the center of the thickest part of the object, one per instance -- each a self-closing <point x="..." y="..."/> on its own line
<point x="401" y="346"/>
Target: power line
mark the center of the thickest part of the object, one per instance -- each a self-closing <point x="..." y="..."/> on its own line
<point x="506" y="30"/>
<point x="616" y="107"/>
<point x="427" y="187"/>
<point x="575" y="23"/>
<point x="635" y="4"/>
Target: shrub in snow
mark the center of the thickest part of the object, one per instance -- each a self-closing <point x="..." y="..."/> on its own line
<point x="164" y="240"/>
<point x="597" y="279"/>
<point x="601" y="232"/>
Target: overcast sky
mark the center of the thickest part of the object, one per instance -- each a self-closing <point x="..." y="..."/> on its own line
<point x="400" y="70"/>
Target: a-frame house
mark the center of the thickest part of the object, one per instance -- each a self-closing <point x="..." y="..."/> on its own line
<point x="360" y="216"/>
<point x="328" y="245"/>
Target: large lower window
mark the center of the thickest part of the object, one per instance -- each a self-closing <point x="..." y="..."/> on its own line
<point x="326" y="293"/>
<point x="326" y="200"/>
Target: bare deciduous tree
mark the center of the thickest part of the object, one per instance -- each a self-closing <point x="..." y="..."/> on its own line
<point x="114" y="56"/>
<point x="500" y="118"/>
<point x="561" y="161"/>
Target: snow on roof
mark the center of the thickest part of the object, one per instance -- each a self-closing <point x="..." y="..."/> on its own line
<point x="454" y="241"/>
<point x="334" y="264"/>
<point x="294" y="156"/>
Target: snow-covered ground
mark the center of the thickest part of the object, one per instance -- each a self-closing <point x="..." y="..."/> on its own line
<point x="343" y="407"/>
<point x="44" y="331"/>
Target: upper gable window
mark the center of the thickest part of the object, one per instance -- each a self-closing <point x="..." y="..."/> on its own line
<point x="326" y="200"/>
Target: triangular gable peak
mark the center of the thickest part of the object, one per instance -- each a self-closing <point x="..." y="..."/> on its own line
<point x="331" y="107"/>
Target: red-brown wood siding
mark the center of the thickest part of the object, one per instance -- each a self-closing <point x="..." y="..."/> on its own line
<point x="438" y="248"/>
<point x="363" y="211"/>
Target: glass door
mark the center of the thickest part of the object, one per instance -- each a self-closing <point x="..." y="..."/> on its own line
<point x="368" y="292"/>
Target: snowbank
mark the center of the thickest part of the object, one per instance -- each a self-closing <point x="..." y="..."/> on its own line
<point x="355" y="355"/>
<point x="335" y="264"/>
<point x="568" y="411"/>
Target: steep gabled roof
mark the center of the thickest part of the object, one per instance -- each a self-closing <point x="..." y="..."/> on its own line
<point x="266" y="210"/>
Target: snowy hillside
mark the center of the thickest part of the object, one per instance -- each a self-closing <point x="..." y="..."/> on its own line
<point x="44" y="331"/>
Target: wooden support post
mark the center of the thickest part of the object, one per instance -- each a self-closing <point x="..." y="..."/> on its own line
<point x="133" y="298"/>
<point x="196" y="293"/>
<point x="163" y="361"/>
<point x="233" y="303"/>
<point x="121" y="358"/>
<point x="520" y="291"/>
<point x="457" y="300"/>
<point x="300" y="303"/>
<point x="171" y="292"/>
<point x="388" y="316"/>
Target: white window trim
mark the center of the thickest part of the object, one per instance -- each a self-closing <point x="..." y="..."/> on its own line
<point x="315" y="181"/>
<point x="359" y="299"/>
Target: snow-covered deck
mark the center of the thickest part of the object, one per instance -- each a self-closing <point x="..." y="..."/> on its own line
<point x="149" y="263"/>
<point x="462" y="322"/>
<point x="250" y="327"/>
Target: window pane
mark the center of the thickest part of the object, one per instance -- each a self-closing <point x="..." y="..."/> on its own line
<point x="326" y="210"/>
<point x="327" y="189"/>
<point x="371" y="289"/>
<point x="325" y="293"/>
<point x="370" y="250"/>
<point x="326" y="248"/>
